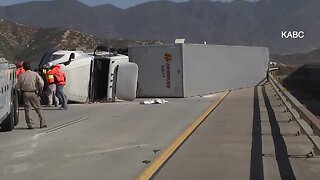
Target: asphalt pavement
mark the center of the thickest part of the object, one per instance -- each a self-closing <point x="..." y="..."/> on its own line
<point x="247" y="136"/>
<point x="96" y="141"/>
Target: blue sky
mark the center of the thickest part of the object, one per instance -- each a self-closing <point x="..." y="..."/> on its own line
<point x="118" y="3"/>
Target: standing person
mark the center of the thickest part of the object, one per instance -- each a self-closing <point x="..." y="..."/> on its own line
<point x="20" y="70"/>
<point x="60" y="79"/>
<point x="30" y="84"/>
<point x="51" y="89"/>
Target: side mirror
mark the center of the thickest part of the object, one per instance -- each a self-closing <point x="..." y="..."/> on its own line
<point x="71" y="57"/>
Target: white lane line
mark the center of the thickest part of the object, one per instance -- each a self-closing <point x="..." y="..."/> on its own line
<point x="23" y="167"/>
<point x="35" y="138"/>
<point x="34" y="145"/>
<point x="21" y="154"/>
<point x="106" y="150"/>
<point x="18" y="168"/>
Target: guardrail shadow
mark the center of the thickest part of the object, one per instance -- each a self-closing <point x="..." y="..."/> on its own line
<point x="256" y="164"/>
<point x="284" y="166"/>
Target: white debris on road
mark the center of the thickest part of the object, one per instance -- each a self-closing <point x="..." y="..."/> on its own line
<point x="155" y="101"/>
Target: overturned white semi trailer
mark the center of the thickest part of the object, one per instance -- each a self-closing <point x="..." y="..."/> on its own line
<point x="185" y="70"/>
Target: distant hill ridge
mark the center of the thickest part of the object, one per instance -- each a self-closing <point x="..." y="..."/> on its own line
<point x="237" y="23"/>
<point x="298" y="58"/>
<point x="23" y="42"/>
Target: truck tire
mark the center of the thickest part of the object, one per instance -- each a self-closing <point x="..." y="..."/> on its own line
<point x="16" y="107"/>
<point x="8" y="123"/>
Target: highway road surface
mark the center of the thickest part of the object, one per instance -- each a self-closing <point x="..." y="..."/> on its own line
<point x="247" y="135"/>
<point x="96" y="141"/>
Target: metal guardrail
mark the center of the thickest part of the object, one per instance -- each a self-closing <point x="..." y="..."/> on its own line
<point x="308" y="122"/>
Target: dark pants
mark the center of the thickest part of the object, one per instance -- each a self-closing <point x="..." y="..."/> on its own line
<point x="31" y="99"/>
<point x="62" y="97"/>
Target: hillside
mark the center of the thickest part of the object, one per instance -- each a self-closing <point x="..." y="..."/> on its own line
<point x="237" y="23"/>
<point x="22" y="42"/>
<point x="298" y="58"/>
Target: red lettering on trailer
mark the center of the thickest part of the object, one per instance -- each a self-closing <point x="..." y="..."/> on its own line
<point x="167" y="57"/>
<point x="168" y="74"/>
<point x="163" y="73"/>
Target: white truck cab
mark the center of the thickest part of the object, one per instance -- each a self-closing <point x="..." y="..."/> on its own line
<point x="9" y="105"/>
<point x="95" y="76"/>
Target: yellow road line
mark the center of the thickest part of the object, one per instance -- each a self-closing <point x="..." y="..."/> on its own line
<point x="164" y="156"/>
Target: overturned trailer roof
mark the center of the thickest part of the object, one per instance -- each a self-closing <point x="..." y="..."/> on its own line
<point x="184" y="70"/>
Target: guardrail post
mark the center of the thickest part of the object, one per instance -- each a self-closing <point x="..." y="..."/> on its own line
<point x="316" y="151"/>
<point x="302" y="131"/>
<point x="305" y="118"/>
<point x="315" y="131"/>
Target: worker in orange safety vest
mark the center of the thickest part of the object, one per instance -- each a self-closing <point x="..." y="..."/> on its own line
<point x="20" y="70"/>
<point x="60" y="80"/>
<point x="52" y="86"/>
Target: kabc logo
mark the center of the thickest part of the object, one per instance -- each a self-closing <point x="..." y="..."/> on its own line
<point x="292" y="34"/>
